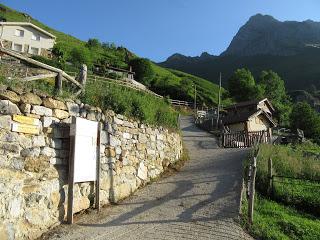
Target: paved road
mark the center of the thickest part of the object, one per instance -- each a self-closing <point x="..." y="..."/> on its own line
<point x="200" y="202"/>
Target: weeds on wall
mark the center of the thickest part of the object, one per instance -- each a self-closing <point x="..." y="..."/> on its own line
<point x="131" y="103"/>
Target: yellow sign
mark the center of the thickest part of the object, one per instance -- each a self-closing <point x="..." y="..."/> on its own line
<point x="25" y="128"/>
<point x="26" y="120"/>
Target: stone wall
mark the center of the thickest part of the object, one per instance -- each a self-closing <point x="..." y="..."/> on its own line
<point x="16" y="69"/>
<point x="34" y="168"/>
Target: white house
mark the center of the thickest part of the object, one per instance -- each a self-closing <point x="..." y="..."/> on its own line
<point x="26" y="38"/>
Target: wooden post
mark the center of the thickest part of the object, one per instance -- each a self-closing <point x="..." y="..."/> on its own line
<point x="59" y="83"/>
<point x="195" y="100"/>
<point x="252" y="190"/>
<point x="219" y="102"/>
<point x="71" y="177"/>
<point x="98" y="168"/>
<point x="270" y="174"/>
<point x="83" y="75"/>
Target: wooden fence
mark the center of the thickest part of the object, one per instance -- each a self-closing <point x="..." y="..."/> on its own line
<point x="252" y="183"/>
<point x="244" y="139"/>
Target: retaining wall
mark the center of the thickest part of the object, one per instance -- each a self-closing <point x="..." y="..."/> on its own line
<point x="34" y="167"/>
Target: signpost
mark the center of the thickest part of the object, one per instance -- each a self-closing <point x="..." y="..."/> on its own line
<point x="84" y="163"/>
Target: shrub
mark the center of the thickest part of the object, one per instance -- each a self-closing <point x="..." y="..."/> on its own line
<point x="304" y="117"/>
<point x="80" y="55"/>
<point x="131" y="103"/>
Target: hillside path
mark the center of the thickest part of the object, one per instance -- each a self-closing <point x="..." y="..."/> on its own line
<point x="199" y="202"/>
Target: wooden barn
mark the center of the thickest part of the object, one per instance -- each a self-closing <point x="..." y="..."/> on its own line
<point x="249" y="120"/>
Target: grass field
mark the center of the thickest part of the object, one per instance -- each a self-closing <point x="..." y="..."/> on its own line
<point x="292" y="209"/>
<point x="274" y="221"/>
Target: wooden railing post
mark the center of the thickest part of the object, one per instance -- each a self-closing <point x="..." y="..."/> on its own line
<point x="58" y="84"/>
<point x="252" y="190"/>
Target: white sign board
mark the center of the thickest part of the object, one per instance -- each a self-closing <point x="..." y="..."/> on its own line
<point x="85" y="150"/>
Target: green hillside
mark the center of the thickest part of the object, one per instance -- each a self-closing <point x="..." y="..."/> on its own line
<point x="299" y="71"/>
<point x="68" y="49"/>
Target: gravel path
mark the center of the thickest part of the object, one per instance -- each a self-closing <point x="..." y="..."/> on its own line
<point x="199" y="202"/>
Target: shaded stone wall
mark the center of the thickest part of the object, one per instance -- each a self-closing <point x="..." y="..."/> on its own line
<point x="34" y="168"/>
<point x="16" y="69"/>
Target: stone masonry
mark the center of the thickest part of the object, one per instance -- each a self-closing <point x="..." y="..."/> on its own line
<point x="34" y="168"/>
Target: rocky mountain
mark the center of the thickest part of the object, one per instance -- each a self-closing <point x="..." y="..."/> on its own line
<point x="263" y="34"/>
<point x="290" y="48"/>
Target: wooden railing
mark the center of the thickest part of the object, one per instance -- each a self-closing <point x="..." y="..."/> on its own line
<point x="244" y="139"/>
<point x="180" y="103"/>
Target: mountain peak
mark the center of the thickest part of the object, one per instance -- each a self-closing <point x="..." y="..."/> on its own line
<point x="265" y="35"/>
<point x="176" y="56"/>
<point x="262" y="18"/>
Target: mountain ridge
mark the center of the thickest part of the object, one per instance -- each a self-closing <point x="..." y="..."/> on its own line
<point x="295" y="61"/>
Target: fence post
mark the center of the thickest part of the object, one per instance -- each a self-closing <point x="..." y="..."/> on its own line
<point x="252" y="190"/>
<point x="59" y="83"/>
<point x="270" y="176"/>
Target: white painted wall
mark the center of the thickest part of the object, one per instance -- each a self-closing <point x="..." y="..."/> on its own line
<point x="8" y="33"/>
<point x="258" y="124"/>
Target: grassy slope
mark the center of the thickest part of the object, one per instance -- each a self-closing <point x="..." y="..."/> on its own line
<point x="276" y="221"/>
<point x="299" y="71"/>
<point x="171" y="78"/>
<point x="294" y="211"/>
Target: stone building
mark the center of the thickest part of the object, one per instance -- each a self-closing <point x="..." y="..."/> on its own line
<point x="26" y="38"/>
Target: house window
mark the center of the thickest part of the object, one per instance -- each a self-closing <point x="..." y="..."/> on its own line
<point x="17" y="47"/>
<point x="34" y="51"/>
<point x="35" y="37"/>
<point x="19" y="33"/>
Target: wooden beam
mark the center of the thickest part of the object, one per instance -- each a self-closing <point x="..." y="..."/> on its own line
<point x="41" y="76"/>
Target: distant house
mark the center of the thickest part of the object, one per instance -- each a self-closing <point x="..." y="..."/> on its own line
<point x="249" y="116"/>
<point x="26" y="38"/>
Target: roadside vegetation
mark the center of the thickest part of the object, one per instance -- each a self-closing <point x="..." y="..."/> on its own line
<point x="131" y="103"/>
<point x="291" y="210"/>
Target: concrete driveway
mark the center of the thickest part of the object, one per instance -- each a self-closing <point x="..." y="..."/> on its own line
<point x="199" y="202"/>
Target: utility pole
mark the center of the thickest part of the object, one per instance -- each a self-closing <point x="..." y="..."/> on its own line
<point x="219" y="101"/>
<point x="195" y="100"/>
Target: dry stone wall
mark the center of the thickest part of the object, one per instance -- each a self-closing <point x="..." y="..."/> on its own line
<point x="34" y="167"/>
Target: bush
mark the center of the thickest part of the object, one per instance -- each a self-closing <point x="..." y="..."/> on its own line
<point x="304" y="117"/>
<point x="80" y="55"/>
<point x="138" y="105"/>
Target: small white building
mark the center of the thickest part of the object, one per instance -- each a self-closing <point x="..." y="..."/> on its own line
<point x="26" y="38"/>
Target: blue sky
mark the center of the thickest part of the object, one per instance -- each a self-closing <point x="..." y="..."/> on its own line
<point x="158" y="28"/>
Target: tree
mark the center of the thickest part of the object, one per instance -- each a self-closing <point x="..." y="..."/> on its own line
<point x="93" y="43"/>
<point x="304" y="117"/>
<point x="242" y="86"/>
<point x="273" y="88"/>
<point x="80" y="55"/>
<point x="143" y="70"/>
